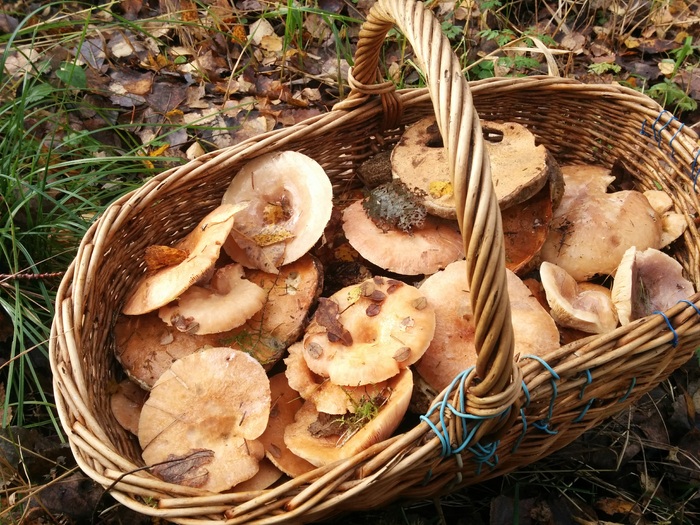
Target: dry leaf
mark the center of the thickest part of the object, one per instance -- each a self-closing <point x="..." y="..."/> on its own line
<point x="188" y="470"/>
<point x="612" y="506"/>
<point x="157" y="257"/>
<point x="326" y="316"/>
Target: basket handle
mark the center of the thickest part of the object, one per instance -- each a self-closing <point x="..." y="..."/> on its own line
<point x="478" y="213"/>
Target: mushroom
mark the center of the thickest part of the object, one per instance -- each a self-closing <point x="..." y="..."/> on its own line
<point x="126" y="402"/>
<point x="591" y="230"/>
<point x="227" y="302"/>
<point x="424" y="250"/>
<point x="290" y="295"/>
<point x="647" y="281"/>
<point x="367" y="333"/>
<point x="267" y="475"/>
<point x="672" y="224"/>
<point x="322" y="439"/>
<point x="585" y="306"/>
<point x="201" y="246"/>
<point x="285" y="404"/>
<point x="325" y="395"/>
<point x="200" y="424"/>
<point x="291" y="198"/>
<point x="519" y="168"/>
<point x="452" y="350"/>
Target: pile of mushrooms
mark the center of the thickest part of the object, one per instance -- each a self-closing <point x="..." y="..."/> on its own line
<point x="250" y="355"/>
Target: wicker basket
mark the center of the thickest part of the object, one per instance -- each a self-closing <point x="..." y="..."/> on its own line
<point x="511" y="411"/>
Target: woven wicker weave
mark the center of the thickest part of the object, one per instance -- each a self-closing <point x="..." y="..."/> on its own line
<point x="518" y="410"/>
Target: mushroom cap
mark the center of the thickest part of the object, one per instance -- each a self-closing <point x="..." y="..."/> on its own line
<point x="267" y="475"/>
<point x="518" y="167"/>
<point x="452" y="349"/>
<point x="324" y="450"/>
<point x="291" y="198"/>
<point x="227" y="302"/>
<point x="325" y="395"/>
<point x="423" y="251"/>
<point x="126" y="403"/>
<point x="285" y="404"/>
<point x="586" y="307"/>
<point x="646" y="282"/>
<point x="290" y="295"/>
<point x="525" y="229"/>
<point x="367" y="333"/>
<point x="203" y="417"/>
<point x="589" y="237"/>
<point x="202" y="245"/>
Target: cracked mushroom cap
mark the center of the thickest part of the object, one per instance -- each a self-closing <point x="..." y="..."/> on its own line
<point x="648" y="281"/>
<point x="519" y="167"/>
<point x="583" y="306"/>
<point x="201" y="248"/>
<point x="227" y="302"/>
<point x="291" y="199"/>
<point x="285" y="404"/>
<point x="200" y="424"/>
<point x="452" y="349"/>
<point x="321" y="440"/>
<point x="424" y="250"/>
<point x="369" y="332"/>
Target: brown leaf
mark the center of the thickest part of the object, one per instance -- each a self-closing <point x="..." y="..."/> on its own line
<point x="131" y="8"/>
<point x="327" y="316"/>
<point x="612" y="506"/>
<point x="158" y="256"/>
<point x="327" y="425"/>
<point x="187" y="470"/>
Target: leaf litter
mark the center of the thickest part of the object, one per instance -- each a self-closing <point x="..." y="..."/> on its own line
<point x="189" y="77"/>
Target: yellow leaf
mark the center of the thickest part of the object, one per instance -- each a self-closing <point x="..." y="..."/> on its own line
<point x="439" y="188"/>
<point x="159" y="151"/>
<point x="667" y="67"/>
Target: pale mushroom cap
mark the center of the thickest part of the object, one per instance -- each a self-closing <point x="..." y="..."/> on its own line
<point x="325" y="395"/>
<point x="291" y="201"/>
<point x="586" y="307"/>
<point x="267" y="475"/>
<point x="367" y="333"/>
<point x="325" y="450"/>
<point x="202" y="245"/>
<point x="227" y="302"/>
<point x="452" y="349"/>
<point x="659" y="200"/>
<point x="518" y="167"/>
<point x="423" y="251"/>
<point x="582" y="181"/>
<point x="210" y="405"/>
<point x="126" y="403"/>
<point x="673" y="225"/>
<point x="593" y="234"/>
<point x="285" y="404"/>
<point x="646" y="282"/>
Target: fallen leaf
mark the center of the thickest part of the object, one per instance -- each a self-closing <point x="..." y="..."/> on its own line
<point x="188" y="470"/>
<point x="157" y="256"/>
<point x="326" y="316"/>
<point x="612" y="506"/>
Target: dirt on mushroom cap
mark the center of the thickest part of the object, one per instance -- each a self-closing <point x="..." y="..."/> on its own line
<point x="367" y="333"/>
<point x="203" y="417"/>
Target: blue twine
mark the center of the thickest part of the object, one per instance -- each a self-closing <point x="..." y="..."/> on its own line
<point x="483" y="453"/>
<point x="527" y="395"/>
<point x="674" y="343"/>
<point x="695" y="170"/>
<point x="670" y="142"/>
<point x="585" y="409"/>
<point x="697" y="310"/>
<point x="543" y="424"/>
<point x="522" y="434"/>
<point x="589" y="380"/>
<point x="643" y="130"/>
<point x="629" y="390"/>
<point x="657" y="133"/>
